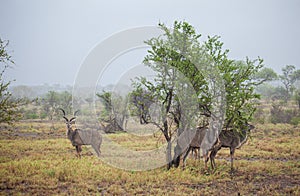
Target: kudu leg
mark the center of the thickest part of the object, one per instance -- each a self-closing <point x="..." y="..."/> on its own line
<point x="185" y="156"/>
<point x="78" y="150"/>
<point x="231" y="157"/>
<point x="197" y="153"/>
<point x="97" y="149"/>
<point x="205" y="158"/>
<point x="213" y="155"/>
<point x="194" y="153"/>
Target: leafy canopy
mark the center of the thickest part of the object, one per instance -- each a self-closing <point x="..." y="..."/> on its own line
<point x="179" y="53"/>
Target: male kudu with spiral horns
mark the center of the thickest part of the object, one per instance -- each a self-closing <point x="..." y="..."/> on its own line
<point x="80" y="137"/>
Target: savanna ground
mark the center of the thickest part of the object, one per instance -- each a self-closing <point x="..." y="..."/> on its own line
<point x="35" y="160"/>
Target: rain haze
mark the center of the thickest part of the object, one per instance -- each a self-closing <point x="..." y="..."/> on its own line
<point x="49" y="40"/>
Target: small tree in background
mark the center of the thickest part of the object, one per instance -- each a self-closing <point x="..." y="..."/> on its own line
<point x="115" y="112"/>
<point x="65" y="101"/>
<point x="54" y="100"/>
<point x="266" y="74"/>
<point x="288" y="78"/>
<point x="50" y="104"/>
<point x="9" y="107"/>
<point x="297" y="98"/>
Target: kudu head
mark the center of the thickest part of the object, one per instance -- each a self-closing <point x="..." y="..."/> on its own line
<point x="249" y="127"/>
<point x="246" y="129"/>
<point x="71" y="121"/>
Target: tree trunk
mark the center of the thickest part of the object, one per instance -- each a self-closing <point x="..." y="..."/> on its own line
<point x="177" y="153"/>
<point x="169" y="145"/>
<point x="169" y="154"/>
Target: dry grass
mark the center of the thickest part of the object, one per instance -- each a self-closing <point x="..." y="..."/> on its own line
<point x="35" y="160"/>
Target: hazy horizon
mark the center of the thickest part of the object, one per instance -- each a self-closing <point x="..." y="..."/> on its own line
<point x="49" y="40"/>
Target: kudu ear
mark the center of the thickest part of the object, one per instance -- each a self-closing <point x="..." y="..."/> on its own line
<point x="66" y="118"/>
<point x="72" y="119"/>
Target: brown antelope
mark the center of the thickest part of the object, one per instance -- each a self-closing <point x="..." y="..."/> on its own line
<point x="196" y="144"/>
<point x="79" y="137"/>
<point x="229" y="139"/>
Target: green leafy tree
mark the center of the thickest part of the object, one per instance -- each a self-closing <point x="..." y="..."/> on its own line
<point x="9" y="107"/>
<point x="266" y="74"/>
<point x="65" y="101"/>
<point x="240" y="78"/>
<point x="54" y="100"/>
<point x="168" y="58"/>
<point x="297" y="97"/>
<point x="176" y="58"/>
<point x="50" y="104"/>
<point x="140" y="103"/>
<point x="264" y="77"/>
<point x="288" y="78"/>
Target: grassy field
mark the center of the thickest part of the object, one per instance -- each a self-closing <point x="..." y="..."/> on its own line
<point x="37" y="160"/>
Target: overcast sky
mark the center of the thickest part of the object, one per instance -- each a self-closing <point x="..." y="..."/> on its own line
<point x="49" y="39"/>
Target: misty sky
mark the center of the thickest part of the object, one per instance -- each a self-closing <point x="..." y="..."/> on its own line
<point x="50" y="39"/>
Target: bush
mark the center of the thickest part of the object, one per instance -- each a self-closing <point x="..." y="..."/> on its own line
<point x="295" y="120"/>
<point x="281" y="115"/>
<point x="259" y="116"/>
<point x="30" y="115"/>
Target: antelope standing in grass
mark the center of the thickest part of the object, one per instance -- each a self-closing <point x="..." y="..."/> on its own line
<point x="196" y="144"/>
<point x="227" y="139"/>
<point x="79" y="137"/>
<point x="230" y="139"/>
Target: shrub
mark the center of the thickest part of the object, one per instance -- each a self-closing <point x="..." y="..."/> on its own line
<point x="295" y="120"/>
<point x="281" y="115"/>
<point x="259" y="116"/>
